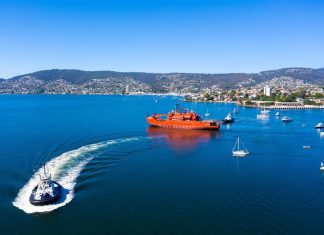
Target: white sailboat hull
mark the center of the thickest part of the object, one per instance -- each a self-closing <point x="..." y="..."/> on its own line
<point x="240" y="153"/>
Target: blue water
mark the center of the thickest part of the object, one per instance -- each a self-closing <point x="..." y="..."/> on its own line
<point x="122" y="177"/>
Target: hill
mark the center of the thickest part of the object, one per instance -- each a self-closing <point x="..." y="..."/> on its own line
<point x="84" y="82"/>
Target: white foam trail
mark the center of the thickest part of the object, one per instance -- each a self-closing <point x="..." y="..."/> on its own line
<point x="65" y="169"/>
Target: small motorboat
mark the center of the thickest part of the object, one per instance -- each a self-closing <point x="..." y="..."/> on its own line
<point x="286" y="119"/>
<point x="321" y="134"/>
<point x="322" y="166"/>
<point x="263" y="116"/>
<point x="237" y="151"/>
<point x="277" y="114"/>
<point x="306" y="147"/>
<point x="319" y="125"/>
<point x="46" y="191"/>
<point x="228" y="119"/>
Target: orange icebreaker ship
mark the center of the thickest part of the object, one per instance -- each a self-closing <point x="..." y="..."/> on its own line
<point x="183" y="119"/>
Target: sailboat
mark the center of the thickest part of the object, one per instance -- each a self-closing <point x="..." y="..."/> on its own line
<point x="235" y="111"/>
<point x="237" y="151"/>
<point x="207" y="114"/>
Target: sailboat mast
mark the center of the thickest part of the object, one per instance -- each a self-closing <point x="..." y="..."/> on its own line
<point x="238" y="143"/>
<point x="234" y="147"/>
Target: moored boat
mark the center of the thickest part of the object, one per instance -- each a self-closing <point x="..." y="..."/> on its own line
<point x="319" y="125"/>
<point x="277" y="114"/>
<point x="228" y="119"/>
<point x="286" y="119"/>
<point x="263" y="116"/>
<point x="46" y="191"/>
<point x="322" y="167"/>
<point x="182" y="119"/>
<point x="265" y="111"/>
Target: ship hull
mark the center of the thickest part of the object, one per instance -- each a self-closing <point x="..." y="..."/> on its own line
<point x="48" y="200"/>
<point x="226" y="121"/>
<point x="179" y="124"/>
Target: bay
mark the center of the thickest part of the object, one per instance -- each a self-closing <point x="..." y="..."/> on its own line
<point x="127" y="178"/>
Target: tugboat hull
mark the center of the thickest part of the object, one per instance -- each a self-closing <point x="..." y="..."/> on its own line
<point x="46" y="200"/>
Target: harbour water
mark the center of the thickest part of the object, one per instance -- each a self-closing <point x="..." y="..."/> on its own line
<point x="121" y="177"/>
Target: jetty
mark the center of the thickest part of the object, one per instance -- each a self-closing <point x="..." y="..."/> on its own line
<point x="294" y="105"/>
<point x="284" y="105"/>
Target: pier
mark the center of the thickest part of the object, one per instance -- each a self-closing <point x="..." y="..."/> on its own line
<point x="283" y="105"/>
<point x="295" y="107"/>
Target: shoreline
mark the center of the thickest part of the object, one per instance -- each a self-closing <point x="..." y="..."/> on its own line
<point x="266" y="107"/>
<point x="99" y="94"/>
<point x="304" y="107"/>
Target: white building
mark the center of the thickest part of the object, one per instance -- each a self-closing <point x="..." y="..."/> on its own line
<point x="267" y="91"/>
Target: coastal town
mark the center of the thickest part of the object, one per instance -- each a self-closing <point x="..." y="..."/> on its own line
<point x="279" y="92"/>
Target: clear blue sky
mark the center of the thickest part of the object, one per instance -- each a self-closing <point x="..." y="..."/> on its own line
<point x="160" y="36"/>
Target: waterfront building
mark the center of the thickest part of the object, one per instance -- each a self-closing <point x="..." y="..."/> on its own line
<point x="267" y="90"/>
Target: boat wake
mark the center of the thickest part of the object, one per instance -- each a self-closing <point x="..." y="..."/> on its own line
<point x="64" y="169"/>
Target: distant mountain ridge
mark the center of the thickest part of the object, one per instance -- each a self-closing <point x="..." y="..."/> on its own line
<point x="79" y="81"/>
